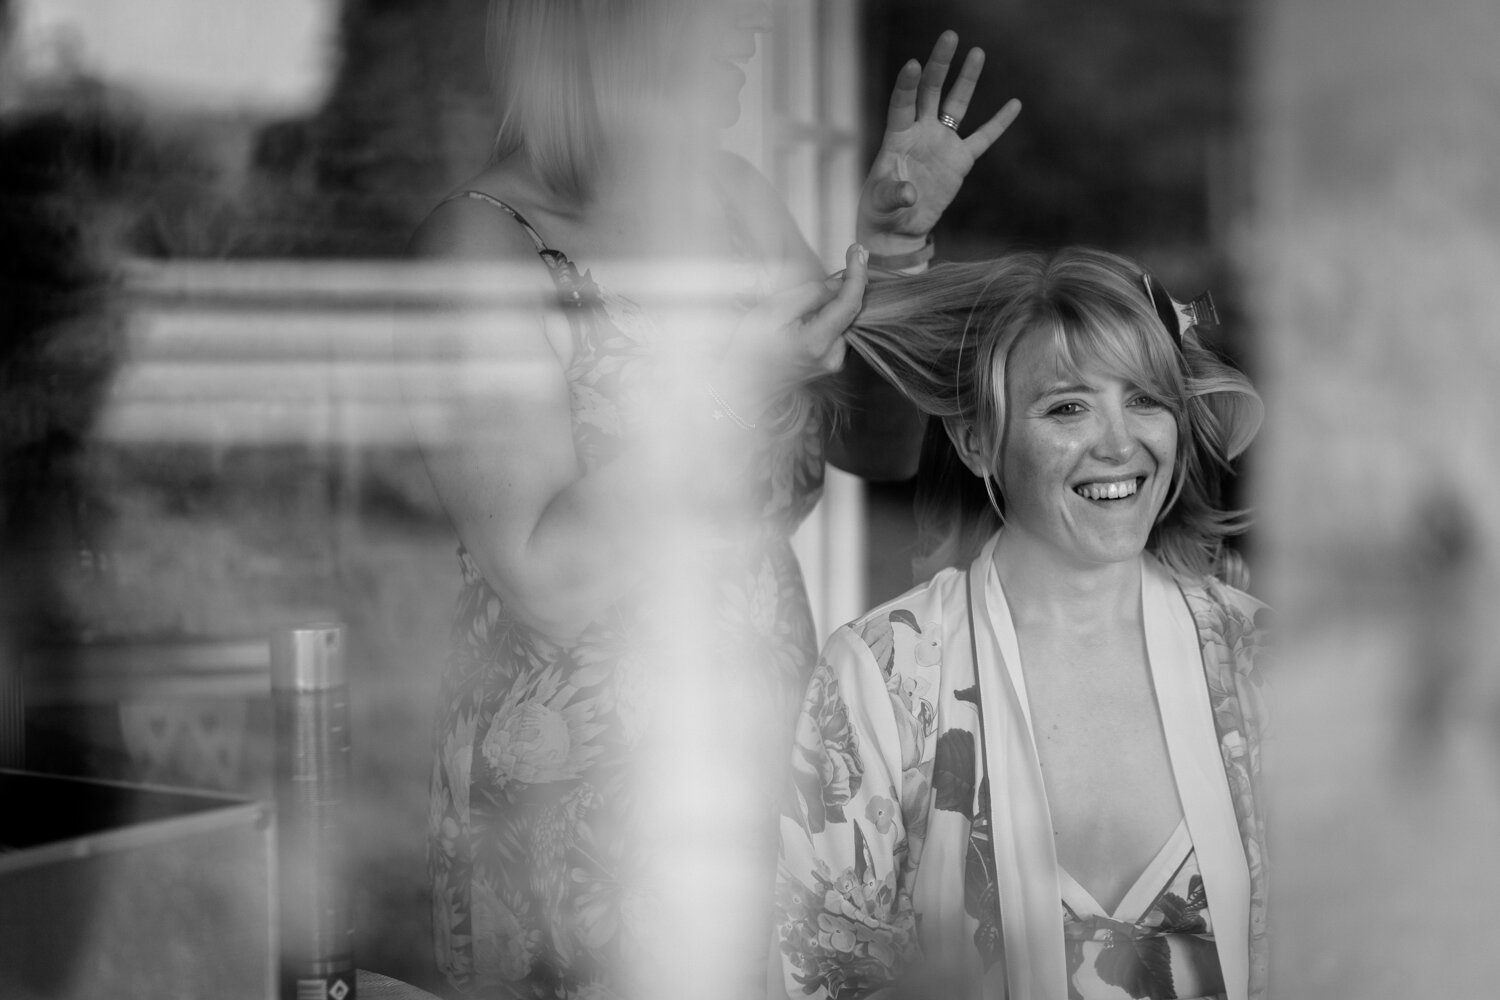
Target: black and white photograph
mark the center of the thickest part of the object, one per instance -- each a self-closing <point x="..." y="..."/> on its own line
<point x="749" y="499"/>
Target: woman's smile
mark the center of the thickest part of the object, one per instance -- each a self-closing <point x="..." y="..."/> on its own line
<point x="1110" y="490"/>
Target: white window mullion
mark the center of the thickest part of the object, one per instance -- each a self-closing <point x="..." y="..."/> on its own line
<point x="808" y="124"/>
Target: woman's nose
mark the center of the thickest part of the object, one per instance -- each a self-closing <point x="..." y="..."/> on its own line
<point x="1116" y="438"/>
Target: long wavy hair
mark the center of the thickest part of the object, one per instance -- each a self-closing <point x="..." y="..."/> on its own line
<point x="943" y="339"/>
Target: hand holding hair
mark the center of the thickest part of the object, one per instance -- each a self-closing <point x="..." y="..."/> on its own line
<point x="792" y="338"/>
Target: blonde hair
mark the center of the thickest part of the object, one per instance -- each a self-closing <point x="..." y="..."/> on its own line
<point x="564" y="71"/>
<point x="943" y="338"/>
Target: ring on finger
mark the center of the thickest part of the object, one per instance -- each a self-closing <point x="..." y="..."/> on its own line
<point x="949" y="121"/>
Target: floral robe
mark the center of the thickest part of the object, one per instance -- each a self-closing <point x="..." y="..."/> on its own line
<point x="546" y="837"/>
<point x="895" y="871"/>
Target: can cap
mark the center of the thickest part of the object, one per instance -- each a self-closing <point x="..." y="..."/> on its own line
<point x="308" y="657"/>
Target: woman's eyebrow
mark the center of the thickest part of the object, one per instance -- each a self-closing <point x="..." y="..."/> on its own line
<point x="1060" y="387"/>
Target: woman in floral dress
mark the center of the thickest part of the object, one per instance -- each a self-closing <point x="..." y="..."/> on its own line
<point x="626" y="470"/>
<point x="1035" y="776"/>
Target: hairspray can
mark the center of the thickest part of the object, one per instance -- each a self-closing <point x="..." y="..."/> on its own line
<point x="310" y="697"/>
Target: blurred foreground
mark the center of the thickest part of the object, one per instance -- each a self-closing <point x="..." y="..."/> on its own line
<point x="198" y="451"/>
<point x="1373" y="263"/>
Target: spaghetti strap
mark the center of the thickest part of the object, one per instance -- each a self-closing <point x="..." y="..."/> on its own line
<point x="573" y="289"/>
<point x="536" y="237"/>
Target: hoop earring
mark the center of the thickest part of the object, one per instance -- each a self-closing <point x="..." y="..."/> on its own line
<point x="994" y="503"/>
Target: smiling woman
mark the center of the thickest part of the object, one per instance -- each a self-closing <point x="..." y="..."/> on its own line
<point x="1076" y="627"/>
<point x="983" y="345"/>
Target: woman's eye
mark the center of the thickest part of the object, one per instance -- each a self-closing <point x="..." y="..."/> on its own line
<point x="1066" y="409"/>
<point x="1148" y="402"/>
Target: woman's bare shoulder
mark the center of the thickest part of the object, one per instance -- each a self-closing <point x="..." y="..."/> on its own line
<point x="472" y="221"/>
<point x="471" y="242"/>
<point x="465" y="227"/>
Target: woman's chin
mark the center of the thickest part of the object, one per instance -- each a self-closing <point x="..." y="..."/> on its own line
<point x="728" y="117"/>
<point x="723" y="93"/>
<point x="725" y="105"/>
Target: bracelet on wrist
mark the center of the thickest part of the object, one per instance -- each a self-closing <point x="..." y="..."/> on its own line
<point x="723" y="411"/>
<point x="916" y="259"/>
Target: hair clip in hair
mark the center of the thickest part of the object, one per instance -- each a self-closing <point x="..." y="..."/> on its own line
<point x="1200" y="311"/>
<point x="1178" y="316"/>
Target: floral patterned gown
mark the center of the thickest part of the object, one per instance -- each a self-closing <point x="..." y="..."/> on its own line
<point x="917" y="849"/>
<point x="1159" y="940"/>
<point x="540" y="848"/>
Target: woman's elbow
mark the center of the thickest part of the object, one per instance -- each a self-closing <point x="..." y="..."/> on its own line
<point x="558" y="609"/>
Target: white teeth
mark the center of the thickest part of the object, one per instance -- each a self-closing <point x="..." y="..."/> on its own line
<point x="1106" y="491"/>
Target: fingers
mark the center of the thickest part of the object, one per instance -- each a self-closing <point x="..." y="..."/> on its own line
<point x="825" y="329"/>
<point x="789" y="306"/>
<point x="930" y="91"/>
<point x="851" y="294"/>
<point x="985" y="135"/>
<point x="963" y="88"/>
<point x="808" y="321"/>
<point x="891" y="194"/>
<point x="919" y="87"/>
<point x="833" y="358"/>
<point x="903" y="109"/>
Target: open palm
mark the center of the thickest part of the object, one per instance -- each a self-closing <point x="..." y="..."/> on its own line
<point x="922" y="161"/>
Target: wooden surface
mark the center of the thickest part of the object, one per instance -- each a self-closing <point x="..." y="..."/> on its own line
<point x="373" y="986"/>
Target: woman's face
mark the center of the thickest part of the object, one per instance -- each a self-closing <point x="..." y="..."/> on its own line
<point x="733" y="26"/>
<point x="1086" y="462"/>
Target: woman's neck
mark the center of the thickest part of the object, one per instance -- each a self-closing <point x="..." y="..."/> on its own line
<point x="1043" y="588"/>
<point x="636" y="169"/>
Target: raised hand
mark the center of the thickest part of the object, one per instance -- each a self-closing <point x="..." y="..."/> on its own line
<point x="923" y="161"/>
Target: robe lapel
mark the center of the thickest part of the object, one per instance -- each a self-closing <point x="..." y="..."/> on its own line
<point x="1031" y="914"/>
<point x="1177" y="670"/>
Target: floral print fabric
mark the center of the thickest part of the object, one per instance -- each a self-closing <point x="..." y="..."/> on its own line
<point x="887" y="870"/>
<point x="1163" y="948"/>
<point x="540" y="855"/>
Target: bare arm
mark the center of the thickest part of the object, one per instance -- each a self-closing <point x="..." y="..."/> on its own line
<point x="559" y="544"/>
<point x="505" y="465"/>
